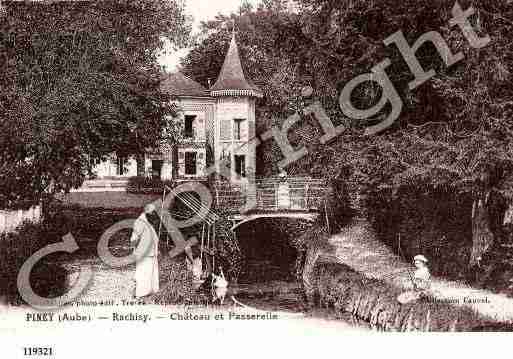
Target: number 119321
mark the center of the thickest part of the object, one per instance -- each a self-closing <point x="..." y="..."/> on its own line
<point x="38" y="351"/>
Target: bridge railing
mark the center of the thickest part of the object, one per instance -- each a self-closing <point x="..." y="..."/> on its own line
<point x="272" y="194"/>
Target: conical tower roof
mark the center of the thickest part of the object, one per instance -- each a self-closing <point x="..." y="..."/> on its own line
<point x="231" y="80"/>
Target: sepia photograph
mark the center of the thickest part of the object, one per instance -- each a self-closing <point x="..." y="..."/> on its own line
<point x="200" y="175"/>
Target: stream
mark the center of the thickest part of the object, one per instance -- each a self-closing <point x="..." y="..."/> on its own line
<point x="274" y="295"/>
<point x="287" y="297"/>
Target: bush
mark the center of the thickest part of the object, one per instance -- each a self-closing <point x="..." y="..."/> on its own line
<point x="147" y="185"/>
<point x="48" y="280"/>
<point x="228" y="252"/>
<point x="87" y="225"/>
<point x="311" y="244"/>
<point x="369" y="300"/>
<point x="434" y="223"/>
<point x="177" y="284"/>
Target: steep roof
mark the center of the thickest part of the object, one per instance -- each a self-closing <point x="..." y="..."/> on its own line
<point x="231" y="80"/>
<point x="177" y="84"/>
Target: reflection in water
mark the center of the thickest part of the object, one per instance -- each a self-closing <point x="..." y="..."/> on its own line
<point x="287" y="297"/>
<point x="268" y="278"/>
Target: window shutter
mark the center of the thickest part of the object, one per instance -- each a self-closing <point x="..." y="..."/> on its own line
<point x="251" y="130"/>
<point x="181" y="163"/>
<point x="200" y="127"/>
<point x="244" y="130"/>
<point x="225" y="130"/>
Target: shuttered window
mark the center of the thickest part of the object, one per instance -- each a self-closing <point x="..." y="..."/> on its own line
<point x="239" y="129"/>
<point x="225" y="130"/>
<point x="189" y="126"/>
<point x="190" y="163"/>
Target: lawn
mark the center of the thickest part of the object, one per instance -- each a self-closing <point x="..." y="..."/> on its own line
<point x="112" y="200"/>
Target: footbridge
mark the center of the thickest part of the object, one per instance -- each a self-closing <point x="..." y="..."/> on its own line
<point x="290" y="197"/>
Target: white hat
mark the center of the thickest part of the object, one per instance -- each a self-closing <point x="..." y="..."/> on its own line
<point x="149" y="208"/>
<point x="421" y="258"/>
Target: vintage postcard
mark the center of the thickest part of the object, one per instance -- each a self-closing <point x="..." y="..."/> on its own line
<point x="192" y="176"/>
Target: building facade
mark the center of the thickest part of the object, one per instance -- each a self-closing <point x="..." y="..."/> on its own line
<point x="216" y="125"/>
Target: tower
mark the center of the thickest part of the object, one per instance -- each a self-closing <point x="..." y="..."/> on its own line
<point x="236" y="97"/>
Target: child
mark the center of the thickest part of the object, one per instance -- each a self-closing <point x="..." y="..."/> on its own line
<point x="421" y="275"/>
<point x="420" y="280"/>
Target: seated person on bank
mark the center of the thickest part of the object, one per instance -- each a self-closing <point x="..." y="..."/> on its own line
<point x="421" y="276"/>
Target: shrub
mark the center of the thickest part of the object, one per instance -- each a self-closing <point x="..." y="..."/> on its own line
<point x="147" y="185"/>
<point x="47" y="279"/>
<point x="87" y="226"/>
<point x="177" y="284"/>
<point x="436" y="224"/>
<point x="345" y="291"/>
<point x="228" y="252"/>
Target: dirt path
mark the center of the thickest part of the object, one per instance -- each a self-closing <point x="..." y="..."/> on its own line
<point x="107" y="283"/>
<point x="357" y="248"/>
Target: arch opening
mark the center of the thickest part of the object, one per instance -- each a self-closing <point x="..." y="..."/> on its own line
<point x="267" y="245"/>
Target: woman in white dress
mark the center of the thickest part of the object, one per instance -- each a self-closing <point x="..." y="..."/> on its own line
<point x="146" y="240"/>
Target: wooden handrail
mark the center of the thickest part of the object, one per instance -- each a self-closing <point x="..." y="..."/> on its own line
<point x="273" y="194"/>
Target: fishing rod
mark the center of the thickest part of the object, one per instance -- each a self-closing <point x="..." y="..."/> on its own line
<point x="161" y="211"/>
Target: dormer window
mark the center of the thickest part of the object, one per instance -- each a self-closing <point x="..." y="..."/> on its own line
<point x="189" y="126"/>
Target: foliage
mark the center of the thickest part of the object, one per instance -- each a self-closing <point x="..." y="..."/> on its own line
<point x="47" y="279"/>
<point x="449" y="132"/>
<point x="454" y="133"/>
<point x="227" y="250"/>
<point x="142" y="184"/>
<point x="437" y="225"/>
<point x="312" y="241"/>
<point x="177" y="284"/>
<point x="261" y="34"/>
<point x="80" y="81"/>
<point x="371" y="301"/>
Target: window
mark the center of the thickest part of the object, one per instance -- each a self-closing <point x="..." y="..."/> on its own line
<point x="238" y="128"/>
<point x="189" y="126"/>
<point x="156" y="168"/>
<point x="190" y="163"/>
<point x="240" y="165"/>
<point x="94" y="161"/>
<point x="121" y="163"/>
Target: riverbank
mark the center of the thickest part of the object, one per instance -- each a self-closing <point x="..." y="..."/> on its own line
<point x="363" y="276"/>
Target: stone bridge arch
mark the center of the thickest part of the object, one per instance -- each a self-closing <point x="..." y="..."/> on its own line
<point x="238" y="220"/>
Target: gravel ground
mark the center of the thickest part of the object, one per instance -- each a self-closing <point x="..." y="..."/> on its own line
<point x="107" y="283"/>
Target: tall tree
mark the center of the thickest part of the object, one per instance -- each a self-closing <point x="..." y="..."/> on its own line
<point x="81" y="81"/>
<point x="454" y="131"/>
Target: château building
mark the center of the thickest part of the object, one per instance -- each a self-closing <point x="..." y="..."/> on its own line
<point x="216" y="125"/>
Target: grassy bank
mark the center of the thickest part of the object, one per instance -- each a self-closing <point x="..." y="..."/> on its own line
<point x="358" y="274"/>
<point x="346" y="291"/>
